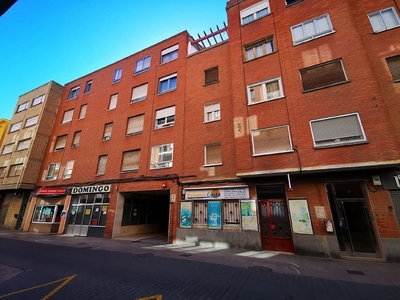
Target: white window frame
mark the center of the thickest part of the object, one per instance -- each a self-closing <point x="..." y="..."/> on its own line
<point x="7" y="149"/>
<point x="212" y="112"/>
<point x="169" y="54"/>
<point x="73" y="92"/>
<point x="31" y="121"/>
<point x="117" y="75"/>
<point x="69" y="166"/>
<point x="165" y="117"/>
<point x="23" y="144"/>
<point x="252" y="13"/>
<point x="266" y="96"/>
<point x="143" y="65"/>
<point x="205" y="155"/>
<point x="67" y="116"/>
<point x="22" y="107"/>
<point x="253" y="132"/>
<point x="113" y="102"/>
<point x="52" y="171"/>
<point x="158" y="154"/>
<point x="15" y="127"/>
<point x="139" y="93"/>
<point x="168" y="79"/>
<point x="318" y="32"/>
<point x="382" y="20"/>
<point x="38" y="100"/>
<point x="338" y="142"/>
<point x="267" y="47"/>
<point x="88" y="86"/>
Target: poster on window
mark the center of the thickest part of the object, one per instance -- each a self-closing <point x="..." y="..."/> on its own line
<point x="301" y="220"/>
<point x="249" y="215"/>
<point x="214" y="215"/>
<point x="186" y="215"/>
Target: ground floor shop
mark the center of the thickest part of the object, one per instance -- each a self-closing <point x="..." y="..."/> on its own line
<point x="341" y="215"/>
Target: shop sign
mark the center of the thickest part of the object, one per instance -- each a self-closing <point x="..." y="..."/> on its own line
<point x="217" y="193"/>
<point x="92" y="189"/>
<point x="51" y="191"/>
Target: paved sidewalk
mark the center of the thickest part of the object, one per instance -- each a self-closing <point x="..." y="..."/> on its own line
<point x="333" y="269"/>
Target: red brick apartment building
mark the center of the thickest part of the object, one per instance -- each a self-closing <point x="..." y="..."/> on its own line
<point x="283" y="137"/>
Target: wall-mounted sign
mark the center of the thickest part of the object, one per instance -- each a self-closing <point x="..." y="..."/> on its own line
<point x="50" y="191"/>
<point x="249" y="215"/>
<point x="300" y="215"/>
<point x="214" y="215"/>
<point x="217" y="193"/>
<point x="186" y="215"/>
<point x="92" y="189"/>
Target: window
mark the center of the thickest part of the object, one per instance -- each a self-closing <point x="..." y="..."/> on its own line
<point x="101" y="165"/>
<point x="38" y="100"/>
<point x="107" y="131"/>
<point x="169" y="54"/>
<point x="165" y="117"/>
<point x="211" y="75"/>
<point x="130" y="161"/>
<point x="60" y="142"/>
<point x="75" y="141"/>
<point x="142" y="65"/>
<point x="113" y="102"/>
<point x="384" y="19"/>
<point x="291" y="2"/>
<point x="52" y="171"/>
<point x="231" y="212"/>
<point x="88" y="86"/>
<point x="68" y="169"/>
<point x="82" y="112"/>
<point x="67" y="117"/>
<point x="167" y="83"/>
<point x="271" y="140"/>
<point x="22" y="106"/>
<point x="15" y="127"/>
<point x="117" y="75"/>
<point x="47" y="214"/>
<point x="15" y="170"/>
<point x="135" y="125"/>
<point x="8" y="148"/>
<point x="212" y="112"/>
<point x="139" y="93"/>
<point x="394" y="67"/>
<point x="3" y="171"/>
<point x="200" y="212"/>
<point x="337" y="130"/>
<point x="265" y="91"/>
<point x="23" y="144"/>
<point x="312" y="29"/>
<point x="31" y="121"/>
<point x="161" y="156"/>
<point x="212" y="154"/>
<point x="323" y="75"/>
<point x="73" y="93"/>
<point x="259" y="48"/>
<point x="254" y="12"/>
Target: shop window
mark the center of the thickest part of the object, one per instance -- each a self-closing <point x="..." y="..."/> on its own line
<point x="211" y="75"/>
<point x="255" y="12"/>
<point x="271" y="140"/>
<point x="60" y="142"/>
<point x="165" y="117"/>
<point x="231" y="212"/>
<point x="130" y="161"/>
<point x="384" y="19"/>
<point x="212" y="155"/>
<point x="101" y="165"/>
<point x="169" y="54"/>
<point x="394" y="67"/>
<point x="75" y="141"/>
<point x="52" y="171"/>
<point x="113" y="102"/>
<point x="161" y="156"/>
<point x="47" y="214"/>
<point x="38" y="100"/>
<point x="135" y="125"/>
<point x="265" y="91"/>
<point x="68" y="169"/>
<point x="200" y="212"/>
<point x="139" y="93"/>
<point x="259" y="48"/>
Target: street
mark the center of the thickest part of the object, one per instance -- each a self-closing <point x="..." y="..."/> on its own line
<point x="48" y="271"/>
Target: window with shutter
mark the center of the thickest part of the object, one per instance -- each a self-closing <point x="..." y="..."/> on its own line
<point x="265" y="91"/>
<point x="271" y="140"/>
<point x="212" y="155"/>
<point x="38" y="100"/>
<point x="323" y="75"/>
<point x="130" y="161"/>
<point x="143" y="65"/>
<point x="67" y="117"/>
<point x="68" y="169"/>
<point x="22" y="106"/>
<point x="165" y="117"/>
<point x="259" y="48"/>
<point x="135" y="125"/>
<point x="60" y="142"/>
<point x="212" y="112"/>
<point x="82" y="112"/>
<point x="139" y="93"/>
<point x="15" y="170"/>
<point x="211" y="75"/>
<point x="8" y="148"/>
<point x="113" y="102"/>
<point x="75" y="141"/>
<point x="161" y="156"/>
<point x="394" y="67"/>
<point x="88" y="86"/>
<point x="169" y="54"/>
<point x="107" y="131"/>
<point x="52" y="171"/>
<point x="31" y="121"/>
<point x="23" y="145"/>
<point x="73" y="93"/>
<point x="255" y="12"/>
<point x="101" y="166"/>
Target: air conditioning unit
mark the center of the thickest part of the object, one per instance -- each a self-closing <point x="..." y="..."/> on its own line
<point x="107" y="138"/>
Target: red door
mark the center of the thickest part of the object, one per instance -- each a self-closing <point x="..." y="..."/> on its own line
<point x="274" y="225"/>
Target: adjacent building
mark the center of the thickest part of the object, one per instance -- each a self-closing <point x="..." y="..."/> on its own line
<point x="282" y="136"/>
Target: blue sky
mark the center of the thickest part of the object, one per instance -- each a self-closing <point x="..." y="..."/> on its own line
<point x="62" y="40"/>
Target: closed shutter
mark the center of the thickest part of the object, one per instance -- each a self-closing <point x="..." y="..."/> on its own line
<point x="22" y="145"/>
<point x="131" y="160"/>
<point x="395" y="195"/>
<point x="271" y="140"/>
<point x="135" y="124"/>
<point x="211" y="75"/>
<point x="60" y="143"/>
<point x="68" y="116"/>
<point x="113" y="102"/>
<point x="77" y="137"/>
<point x="394" y="66"/>
<point x="323" y="75"/>
<point x="139" y="93"/>
<point x="101" y="168"/>
<point x="213" y="154"/>
<point x="31" y="121"/>
<point x="8" y="149"/>
<point x="107" y="131"/>
<point x="82" y="113"/>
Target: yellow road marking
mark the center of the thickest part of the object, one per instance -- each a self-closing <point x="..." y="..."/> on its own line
<point x="155" y="297"/>
<point x="65" y="281"/>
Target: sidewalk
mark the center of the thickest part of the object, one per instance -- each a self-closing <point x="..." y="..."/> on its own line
<point x="333" y="269"/>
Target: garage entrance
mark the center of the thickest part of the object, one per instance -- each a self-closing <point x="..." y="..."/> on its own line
<point x="145" y="214"/>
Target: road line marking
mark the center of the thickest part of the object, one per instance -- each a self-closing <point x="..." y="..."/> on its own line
<point x="68" y="279"/>
<point x="155" y="297"/>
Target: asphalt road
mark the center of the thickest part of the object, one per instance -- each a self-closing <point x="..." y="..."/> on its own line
<point x="59" y="272"/>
